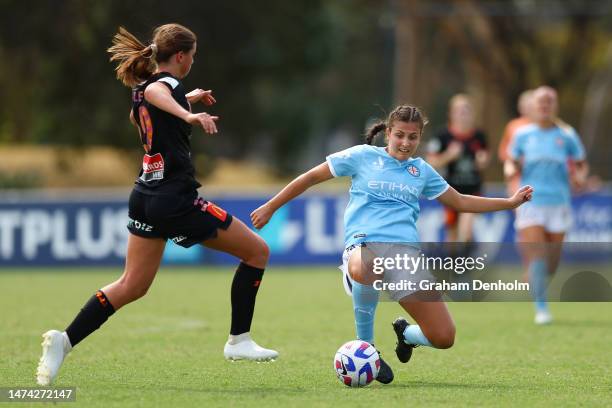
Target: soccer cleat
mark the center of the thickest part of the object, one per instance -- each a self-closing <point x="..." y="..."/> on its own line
<point x="402" y="350"/>
<point x="55" y="349"/>
<point x="543" y="317"/>
<point x="246" y="349"/>
<point x="385" y="373"/>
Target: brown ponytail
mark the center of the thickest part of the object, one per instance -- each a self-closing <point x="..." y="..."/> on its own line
<point x="374" y="130"/>
<point x="137" y="62"/>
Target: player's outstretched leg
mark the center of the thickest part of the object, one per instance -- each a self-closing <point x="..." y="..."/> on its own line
<point x="142" y="261"/>
<point x="434" y="328"/>
<point x="240" y="241"/>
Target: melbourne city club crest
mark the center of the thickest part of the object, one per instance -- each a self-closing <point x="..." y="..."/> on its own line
<point x="414" y="170"/>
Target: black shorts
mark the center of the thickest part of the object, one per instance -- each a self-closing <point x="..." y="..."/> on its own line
<point x="185" y="219"/>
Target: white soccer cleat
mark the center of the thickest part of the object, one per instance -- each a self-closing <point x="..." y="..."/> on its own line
<point x="543" y="317"/>
<point x="244" y="348"/>
<point x="55" y="348"/>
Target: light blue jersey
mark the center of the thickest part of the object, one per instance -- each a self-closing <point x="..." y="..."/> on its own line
<point x="384" y="194"/>
<point x="544" y="154"/>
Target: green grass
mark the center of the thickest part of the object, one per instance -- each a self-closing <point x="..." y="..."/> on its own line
<point x="166" y="349"/>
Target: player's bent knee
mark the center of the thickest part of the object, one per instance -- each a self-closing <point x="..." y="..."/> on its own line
<point x="264" y="251"/>
<point x="444" y="338"/>
<point x="258" y="255"/>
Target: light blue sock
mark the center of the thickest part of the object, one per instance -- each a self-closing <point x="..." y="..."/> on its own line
<point x="365" y="300"/>
<point x="414" y="335"/>
<point x="538" y="276"/>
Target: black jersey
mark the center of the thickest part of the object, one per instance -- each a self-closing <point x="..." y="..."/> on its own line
<point x="462" y="173"/>
<point x="166" y="166"/>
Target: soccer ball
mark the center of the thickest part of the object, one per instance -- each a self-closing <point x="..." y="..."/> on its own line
<point x="356" y="363"/>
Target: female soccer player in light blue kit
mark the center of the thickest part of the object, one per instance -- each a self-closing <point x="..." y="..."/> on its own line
<point x="542" y="151"/>
<point x="381" y="216"/>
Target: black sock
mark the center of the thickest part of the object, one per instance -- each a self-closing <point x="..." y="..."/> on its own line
<point x="95" y="312"/>
<point x="244" y="290"/>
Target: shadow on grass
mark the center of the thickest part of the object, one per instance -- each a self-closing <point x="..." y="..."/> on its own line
<point x="441" y="385"/>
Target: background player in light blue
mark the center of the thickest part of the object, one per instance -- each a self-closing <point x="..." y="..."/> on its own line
<point x="550" y="157"/>
<point x="387" y="183"/>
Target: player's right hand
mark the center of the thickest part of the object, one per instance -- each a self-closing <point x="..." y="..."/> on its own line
<point x="205" y="120"/>
<point x="261" y="216"/>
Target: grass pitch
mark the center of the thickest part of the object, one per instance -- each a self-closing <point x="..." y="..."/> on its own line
<point x="166" y="349"/>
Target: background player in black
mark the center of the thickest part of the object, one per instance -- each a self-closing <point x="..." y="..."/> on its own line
<point x="459" y="152"/>
<point x="164" y="203"/>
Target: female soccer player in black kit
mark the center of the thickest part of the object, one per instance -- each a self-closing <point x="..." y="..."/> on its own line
<point x="164" y="203"/>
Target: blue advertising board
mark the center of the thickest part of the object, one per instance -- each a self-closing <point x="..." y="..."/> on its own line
<point x="309" y="230"/>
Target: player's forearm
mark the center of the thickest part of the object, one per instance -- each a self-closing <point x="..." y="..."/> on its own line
<point x="475" y="204"/>
<point x="300" y="184"/>
<point x="292" y="190"/>
<point x="167" y="103"/>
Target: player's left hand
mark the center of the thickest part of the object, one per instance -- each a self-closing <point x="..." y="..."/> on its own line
<point x="198" y="95"/>
<point x="521" y="196"/>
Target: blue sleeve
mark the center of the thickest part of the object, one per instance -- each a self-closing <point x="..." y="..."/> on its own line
<point x="345" y="162"/>
<point x="515" y="150"/>
<point x="435" y="185"/>
<point x="575" y="147"/>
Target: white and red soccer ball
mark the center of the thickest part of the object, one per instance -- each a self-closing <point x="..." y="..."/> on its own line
<point x="356" y="363"/>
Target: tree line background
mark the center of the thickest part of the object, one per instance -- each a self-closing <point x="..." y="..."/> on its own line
<point x="298" y="79"/>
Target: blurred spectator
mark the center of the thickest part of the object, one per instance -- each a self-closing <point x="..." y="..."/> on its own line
<point x="459" y="152"/>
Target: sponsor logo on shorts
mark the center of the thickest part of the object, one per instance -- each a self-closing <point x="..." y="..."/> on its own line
<point x="178" y="239"/>
<point x="152" y="167"/>
<point x="211" y="208"/>
<point x="141" y="226"/>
